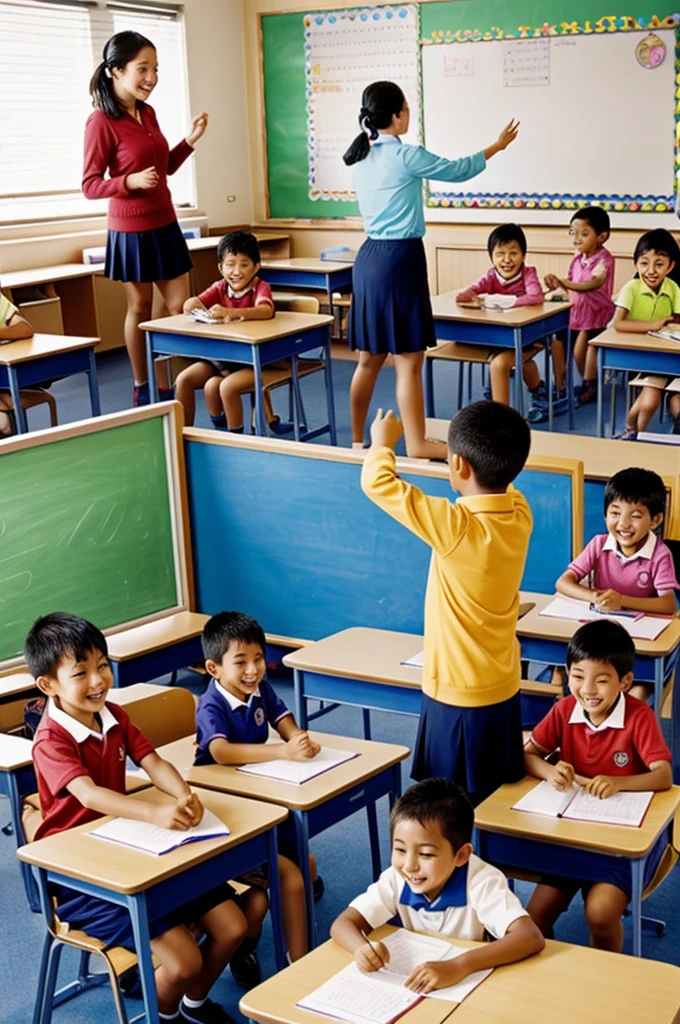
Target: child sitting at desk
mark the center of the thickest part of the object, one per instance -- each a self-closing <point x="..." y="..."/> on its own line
<point x="232" y="727"/>
<point x="240" y="295"/>
<point x="589" y="281"/>
<point x="608" y="742"/>
<point x="79" y="755"/>
<point x="628" y="567"/>
<point x="479" y="543"/>
<point x="509" y="275"/>
<point x="13" y="327"/>
<point x="436" y="884"/>
<point x="648" y="303"/>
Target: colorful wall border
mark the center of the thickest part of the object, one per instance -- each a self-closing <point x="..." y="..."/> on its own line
<point x="549" y="201"/>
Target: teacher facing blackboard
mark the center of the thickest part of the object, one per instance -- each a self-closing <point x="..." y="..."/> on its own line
<point x="391" y="311"/>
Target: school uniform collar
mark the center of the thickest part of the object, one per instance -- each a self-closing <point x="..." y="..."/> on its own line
<point x="488" y="502"/>
<point x="388" y="139"/>
<point x="75" y="728"/>
<point x="616" y="719"/>
<point x="509" y="280"/>
<point x="585" y="260"/>
<point x="239" y="295"/>
<point x="646" y="551"/>
<point x="454" y="894"/>
<point x="232" y="701"/>
<point x="665" y="289"/>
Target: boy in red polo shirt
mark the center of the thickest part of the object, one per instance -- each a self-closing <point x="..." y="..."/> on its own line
<point x="608" y="742"/>
<point x="79" y="754"/>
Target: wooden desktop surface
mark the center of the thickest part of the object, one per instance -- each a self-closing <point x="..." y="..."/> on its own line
<point x="207" y="242"/>
<point x="47" y="275"/>
<point x="308" y="263"/>
<point x="125" y="870"/>
<point x="374" y="655"/>
<point x="41" y="345"/>
<point x="373" y="758"/>
<point x="635" y="342"/>
<point x="563" y="984"/>
<point x="15" y="752"/>
<point x="18" y="684"/>
<point x="548" y="628"/>
<point x="123" y="695"/>
<point x="156" y="635"/>
<point x="444" y="307"/>
<point x="252" y="331"/>
<point x="495" y="814"/>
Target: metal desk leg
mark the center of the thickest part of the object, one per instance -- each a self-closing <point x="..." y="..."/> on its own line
<point x="600" y="386"/>
<point x="295" y="384"/>
<point x="93" y="385"/>
<point x="140" y="931"/>
<point x="658" y="686"/>
<point x="549" y="373"/>
<point x="19" y="414"/>
<point x="429" y="387"/>
<point x="518" y="390"/>
<point x="260" y="428"/>
<point x="15" y="803"/>
<point x="366" y="714"/>
<point x="302" y="847"/>
<point x="637" y="870"/>
<point x="373" y="839"/>
<point x="330" y="399"/>
<point x="275" y="901"/>
<point x="570" y="378"/>
<point x="151" y="373"/>
<point x="300" y="700"/>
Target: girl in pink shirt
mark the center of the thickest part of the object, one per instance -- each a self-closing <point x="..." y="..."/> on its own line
<point x="509" y="275"/>
<point x="590" y="282"/>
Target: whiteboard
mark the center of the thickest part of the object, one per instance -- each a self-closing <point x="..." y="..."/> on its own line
<point x="577" y="138"/>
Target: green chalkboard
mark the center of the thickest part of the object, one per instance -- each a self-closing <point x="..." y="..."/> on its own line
<point x="86" y="527"/>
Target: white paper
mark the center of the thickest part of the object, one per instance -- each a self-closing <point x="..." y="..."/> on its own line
<point x="297" y="772"/>
<point x="545" y="799"/>
<point x="460" y="991"/>
<point x="381" y="997"/>
<point x="667" y="333"/>
<point x="153" y="839"/>
<point x="417" y="661"/>
<point x="578" y="805"/>
<point x="409" y="950"/>
<point x="648" y="627"/>
<point x="499" y="301"/>
<point x="645" y="435"/>
<point x="203" y="316"/>
<point x="526" y="62"/>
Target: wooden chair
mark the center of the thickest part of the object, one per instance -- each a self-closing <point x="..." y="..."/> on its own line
<point x="30" y="397"/>
<point x="164" y="717"/>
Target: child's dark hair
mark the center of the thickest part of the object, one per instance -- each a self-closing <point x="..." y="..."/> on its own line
<point x="494" y="439"/>
<point x="437" y="800"/>
<point x="504" y="234"/>
<point x="226" y="628"/>
<point x="604" y="641"/>
<point x="57" y="636"/>
<point x="596" y="217"/>
<point x="379" y="102"/>
<point x="637" y="487"/>
<point x="236" y="243"/>
<point x="660" y="241"/>
<point x="117" y="53"/>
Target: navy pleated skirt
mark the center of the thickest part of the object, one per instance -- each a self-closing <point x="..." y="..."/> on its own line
<point x="478" y="748"/>
<point x="391" y="309"/>
<point x="158" y="255"/>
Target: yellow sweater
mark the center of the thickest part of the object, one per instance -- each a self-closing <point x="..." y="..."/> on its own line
<point x="479" y="546"/>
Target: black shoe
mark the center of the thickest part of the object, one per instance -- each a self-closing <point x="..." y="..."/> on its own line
<point x="318" y="888"/>
<point x="245" y="969"/>
<point x="131" y="983"/>
<point x="207" y="1013"/>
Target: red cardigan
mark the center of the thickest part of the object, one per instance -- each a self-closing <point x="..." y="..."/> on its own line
<point x="122" y="147"/>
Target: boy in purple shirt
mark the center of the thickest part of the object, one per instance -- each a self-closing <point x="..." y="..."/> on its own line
<point x="509" y="275"/>
<point x="629" y="567"/>
<point x="589" y="282"/>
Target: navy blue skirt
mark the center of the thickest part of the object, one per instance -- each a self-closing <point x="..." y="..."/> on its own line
<point x="158" y="255"/>
<point x="391" y="309"/>
<point x="479" y="748"/>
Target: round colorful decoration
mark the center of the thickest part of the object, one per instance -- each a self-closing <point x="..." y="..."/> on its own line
<point x="650" y="51"/>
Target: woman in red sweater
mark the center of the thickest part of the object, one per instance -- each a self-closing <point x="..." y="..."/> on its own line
<point x="127" y="160"/>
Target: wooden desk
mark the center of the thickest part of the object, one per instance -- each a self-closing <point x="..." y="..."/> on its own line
<point x="564" y="984"/>
<point x="306" y="272"/>
<point x="155" y="648"/>
<point x="44" y="357"/>
<point x="151" y="886"/>
<point x="18" y="686"/>
<point x="316" y="805"/>
<point x="538" y="843"/>
<point x="273" y="1002"/>
<point x="254" y="343"/>
<point x="512" y="328"/>
<point x="618" y="351"/>
<point x="70" y="285"/>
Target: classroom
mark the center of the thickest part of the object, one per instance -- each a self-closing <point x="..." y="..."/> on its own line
<point x="130" y="499"/>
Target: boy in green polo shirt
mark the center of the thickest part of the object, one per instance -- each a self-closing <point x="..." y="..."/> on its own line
<point x="648" y="303"/>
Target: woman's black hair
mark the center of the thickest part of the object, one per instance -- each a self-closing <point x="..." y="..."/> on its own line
<point x="119" y="51"/>
<point x="379" y="102"/>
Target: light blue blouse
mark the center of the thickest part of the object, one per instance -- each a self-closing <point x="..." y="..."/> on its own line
<point x="388" y="184"/>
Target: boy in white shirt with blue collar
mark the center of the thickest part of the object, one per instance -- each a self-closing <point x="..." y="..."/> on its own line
<point x="436" y="884"/>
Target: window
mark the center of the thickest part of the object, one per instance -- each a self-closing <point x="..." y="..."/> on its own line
<point x="48" y="52"/>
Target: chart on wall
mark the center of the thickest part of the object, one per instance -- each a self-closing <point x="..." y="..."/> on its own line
<point x="344" y="52"/>
<point x="597" y="103"/>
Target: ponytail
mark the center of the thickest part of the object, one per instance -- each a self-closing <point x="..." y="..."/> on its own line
<point x="380" y="101"/>
<point x="118" y="52"/>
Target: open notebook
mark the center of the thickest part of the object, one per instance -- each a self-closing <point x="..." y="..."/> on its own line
<point x="575" y="803"/>
<point x="152" y="839"/>
<point x="298" y="772"/>
<point x="640" y="627"/>
<point x="381" y="997"/>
